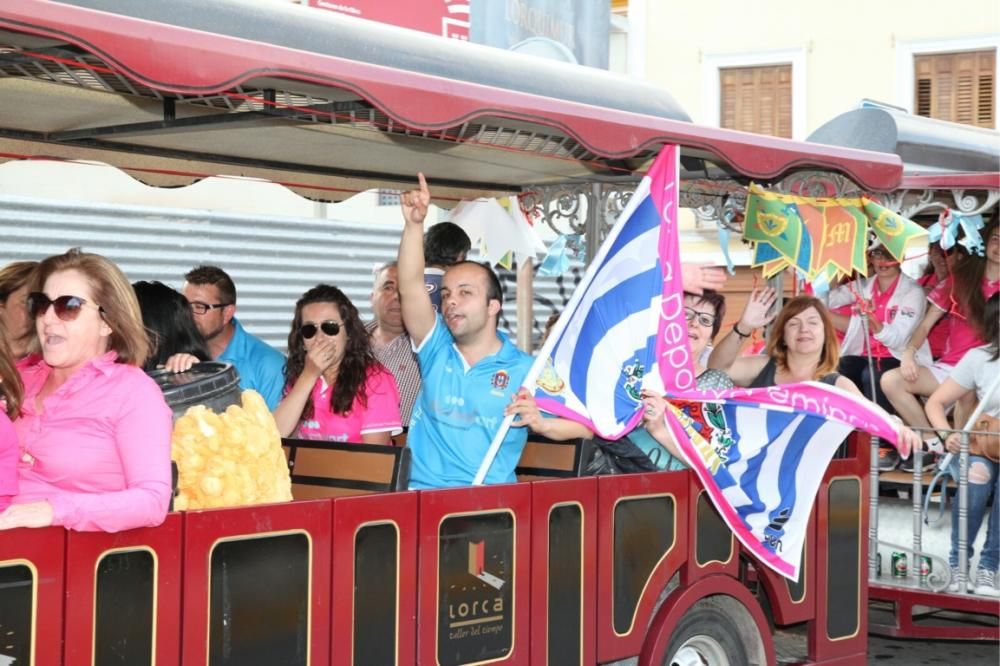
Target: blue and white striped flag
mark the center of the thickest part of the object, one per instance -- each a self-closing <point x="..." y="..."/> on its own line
<point x="624" y="327"/>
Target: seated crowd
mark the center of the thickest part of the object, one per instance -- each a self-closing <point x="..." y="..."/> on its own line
<point x="85" y="433"/>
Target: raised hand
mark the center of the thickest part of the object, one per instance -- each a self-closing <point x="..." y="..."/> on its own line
<point x="415" y="202"/>
<point x="696" y="278"/>
<point x="757" y="313"/>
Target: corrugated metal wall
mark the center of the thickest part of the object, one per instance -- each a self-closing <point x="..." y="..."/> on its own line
<point x="273" y="260"/>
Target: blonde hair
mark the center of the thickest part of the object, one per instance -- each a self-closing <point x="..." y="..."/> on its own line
<point x="114" y="295"/>
<point x="829" y="358"/>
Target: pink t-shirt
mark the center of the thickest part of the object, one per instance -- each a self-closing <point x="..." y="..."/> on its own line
<point x="938" y="337"/>
<point x="380" y="414"/>
<point x="961" y="335"/>
<point x="8" y="460"/>
<point x="99" y="449"/>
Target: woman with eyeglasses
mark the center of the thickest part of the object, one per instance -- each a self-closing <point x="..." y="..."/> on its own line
<point x="94" y="429"/>
<point x="335" y="389"/>
<point x="11" y="393"/>
<point x="704" y="313"/>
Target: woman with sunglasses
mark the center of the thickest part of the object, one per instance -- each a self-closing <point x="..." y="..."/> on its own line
<point x="94" y="429"/>
<point x="335" y="389"/>
<point x="11" y="393"/>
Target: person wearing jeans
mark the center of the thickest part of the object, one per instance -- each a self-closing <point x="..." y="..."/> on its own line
<point x="977" y="371"/>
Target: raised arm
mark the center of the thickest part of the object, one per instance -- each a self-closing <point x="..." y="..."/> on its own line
<point x="724" y="355"/>
<point x="418" y="313"/>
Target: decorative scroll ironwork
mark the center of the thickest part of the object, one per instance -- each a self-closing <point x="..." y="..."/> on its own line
<point x="911" y="203"/>
<point x="820" y="184"/>
<point x="565" y="208"/>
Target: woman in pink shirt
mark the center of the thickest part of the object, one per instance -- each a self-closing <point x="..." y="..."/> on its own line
<point x="962" y="296"/>
<point x="10" y="404"/>
<point x="335" y="389"/>
<point x="94" y="429"/>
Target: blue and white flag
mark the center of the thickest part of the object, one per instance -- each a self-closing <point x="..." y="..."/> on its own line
<point x="759" y="453"/>
<point x="624" y="329"/>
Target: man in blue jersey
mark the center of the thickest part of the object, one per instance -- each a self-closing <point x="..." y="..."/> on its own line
<point x="471" y="372"/>
<point x="212" y="296"/>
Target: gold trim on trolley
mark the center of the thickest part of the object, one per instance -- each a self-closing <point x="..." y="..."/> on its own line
<point x="253" y="537"/>
<point x="548" y="578"/>
<point x="673" y="544"/>
<point x="156" y="577"/>
<point x="732" y="537"/>
<point x="857" y="612"/>
<point x="513" y="588"/>
<point x="354" y="572"/>
<point x="20" y="562"/>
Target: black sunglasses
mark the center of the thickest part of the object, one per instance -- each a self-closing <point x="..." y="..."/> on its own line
<point x="330" y="328"/>
<point x="67" y="307"/>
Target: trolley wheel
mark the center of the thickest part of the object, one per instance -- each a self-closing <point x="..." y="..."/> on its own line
<point x="706" y="637"/>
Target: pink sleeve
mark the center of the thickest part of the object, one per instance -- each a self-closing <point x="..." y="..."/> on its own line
<point x="142" y="436"/>
<point x="940" y="295"/>
<point x="8" y="461"/>
<point x="382" y="412"/>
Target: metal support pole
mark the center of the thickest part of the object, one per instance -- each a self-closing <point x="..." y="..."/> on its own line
<point x="525" y="305"/>
<point x="595" y="220"/>
<point x="873" y="470"/>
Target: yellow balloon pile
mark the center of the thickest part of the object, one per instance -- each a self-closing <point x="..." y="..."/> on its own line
<point x="229" y="459"/>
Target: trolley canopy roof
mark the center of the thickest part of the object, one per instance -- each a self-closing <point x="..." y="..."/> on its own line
<point x="331" y="105"/>
<point x="935" y="153"/>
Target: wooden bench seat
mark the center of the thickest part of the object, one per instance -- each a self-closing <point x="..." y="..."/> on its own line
<point x="334" y="469"/>
<point x="547" y="459"/>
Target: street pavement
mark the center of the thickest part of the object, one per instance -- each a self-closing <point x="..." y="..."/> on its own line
<point x="898" y="652"/>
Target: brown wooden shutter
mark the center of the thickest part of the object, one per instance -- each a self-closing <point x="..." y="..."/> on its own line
<point x="958" y="87"/>
<point x="757" y="99"/>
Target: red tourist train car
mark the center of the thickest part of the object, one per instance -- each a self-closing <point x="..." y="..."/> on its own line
<point x="571" y="570"/>
<point x="578" y="570"/>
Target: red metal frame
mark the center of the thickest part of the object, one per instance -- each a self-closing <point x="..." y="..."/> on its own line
<point x="203" y="528"/>
<point x="84" y="549"/>
<point x="906" y="600"/>
<point x="544" y="497"/>
<point x="349" y="514"/>
<point x="176" y="59"/>
<point x="611" y="489"/>
<point x="821" y="647"/>
<point x="682" y="599"/>
<point x="435" y="506"/>
<point x="45" y="550"/>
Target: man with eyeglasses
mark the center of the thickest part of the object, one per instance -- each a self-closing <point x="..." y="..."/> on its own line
<point x="212" y="296"/>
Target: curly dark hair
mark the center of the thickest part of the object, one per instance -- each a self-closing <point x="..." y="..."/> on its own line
<point x="359" y="360"/>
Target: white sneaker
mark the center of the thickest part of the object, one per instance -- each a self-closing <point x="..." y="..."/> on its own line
<point x="986" y="583"/>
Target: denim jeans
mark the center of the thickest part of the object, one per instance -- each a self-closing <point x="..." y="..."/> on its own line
<point x="979" y="496"/>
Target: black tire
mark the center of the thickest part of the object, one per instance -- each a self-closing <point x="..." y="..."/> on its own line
<point x="711" y="635"/>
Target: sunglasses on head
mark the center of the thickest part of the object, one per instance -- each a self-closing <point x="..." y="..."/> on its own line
<point x="330" y="328"/>
<point x="67" y="307"/>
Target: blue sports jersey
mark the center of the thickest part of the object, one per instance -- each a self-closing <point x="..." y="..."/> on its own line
<point x="261" y="367"/>
<point x="459" y="410"/>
